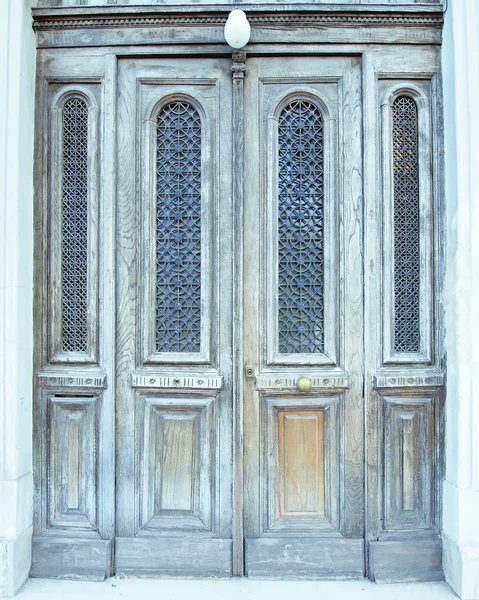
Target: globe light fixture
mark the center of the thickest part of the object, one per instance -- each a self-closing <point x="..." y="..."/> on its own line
<point x="237" y="29"/>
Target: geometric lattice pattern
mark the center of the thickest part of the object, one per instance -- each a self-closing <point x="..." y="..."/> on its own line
<point x="74" y="246"/>
<point x="178" y="229"/>
<point x="406" y="226"/>
<point x="300" y="229"/>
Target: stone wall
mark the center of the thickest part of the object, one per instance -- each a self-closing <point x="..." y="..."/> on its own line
<point x="17" y="73"/>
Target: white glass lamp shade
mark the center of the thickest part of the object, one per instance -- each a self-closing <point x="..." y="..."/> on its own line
<point x="237" y="29"/>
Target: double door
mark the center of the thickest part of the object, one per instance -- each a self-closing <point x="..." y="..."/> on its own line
<point x="238" y="349"/>
<point x="239" y="404"/>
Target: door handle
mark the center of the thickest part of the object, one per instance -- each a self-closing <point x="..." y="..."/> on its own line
<point x="304" y="384"/>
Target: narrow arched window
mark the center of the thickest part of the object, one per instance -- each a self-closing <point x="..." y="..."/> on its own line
<point x="74" y="226"/>
<point x="300" y="229"/>
<point x="178" y="228"/>
<point x="406" y="225"/>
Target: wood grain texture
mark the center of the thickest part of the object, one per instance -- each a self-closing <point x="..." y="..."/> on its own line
<point x="174" y="410"/>
<point x="284" y="501"/>
<point x="301" y="463"/>
<point x="409" y="446"/>
<point x="268" y="558"/>
<point x="406" y="560"/>
<point x="74" y="433"/>
<point x="177" y="460"/>
<point x="404" y="459"/>
<point x="180" y="453"/>
<point x="178" y="467"/>
<point x="238" y="70"/>
<point x="322" y="445"/>
<point x="72" y="465"/>
<point x="174" y="557"/>
<point x="71" y="558"/>
<point x="272" y="23"/>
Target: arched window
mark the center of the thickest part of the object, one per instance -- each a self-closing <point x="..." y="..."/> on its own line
<point x="74" y="226"/>
<point x="300" y="228"/>
<point x="178" y="228"/>
<point x="406" y="225"/>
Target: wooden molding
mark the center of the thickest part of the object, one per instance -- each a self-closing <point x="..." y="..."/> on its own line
<point x="69" y="380"/>
<point x="259" y="14"/>
<point x="176" y="381"/>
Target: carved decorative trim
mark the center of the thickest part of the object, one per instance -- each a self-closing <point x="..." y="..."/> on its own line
<point x="42" y="22"/>
<point x="238" y="67"/>
<point x="176" y="381"/>
<point x="390" y="380"/>
<point x="85" y="380"/>
<point x="270" y="382"/>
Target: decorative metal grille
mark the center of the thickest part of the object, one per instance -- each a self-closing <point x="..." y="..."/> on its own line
<point x="75" y="226"/>
<point x="178" y="229"/>
<point x="300" y="229"/>
<point x="406" y="225"/>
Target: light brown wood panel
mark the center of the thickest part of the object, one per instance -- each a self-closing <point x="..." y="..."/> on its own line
<point x="301" y="463"/>
<point x="313" y="438"/>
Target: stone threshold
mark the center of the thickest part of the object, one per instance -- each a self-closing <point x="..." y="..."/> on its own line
<point x="232" y="589"/>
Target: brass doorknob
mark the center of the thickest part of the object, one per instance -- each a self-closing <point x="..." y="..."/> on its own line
<point x="304" y="384"/>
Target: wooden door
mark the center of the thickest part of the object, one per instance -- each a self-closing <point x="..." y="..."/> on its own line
<point x="303" y="451"/>
<point x="303" y="448"/>
<point x="238" y="266"/>
<point x="174" y="316"/>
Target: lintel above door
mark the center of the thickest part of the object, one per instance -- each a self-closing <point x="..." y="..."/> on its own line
<point x="299" y="23"/>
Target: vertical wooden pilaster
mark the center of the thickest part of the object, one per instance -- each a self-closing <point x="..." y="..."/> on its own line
<point x="238" y="69"/>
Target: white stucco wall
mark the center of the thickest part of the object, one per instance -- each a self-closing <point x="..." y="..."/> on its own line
<point x="461" y="489"/>
<point x="17" y="69"/>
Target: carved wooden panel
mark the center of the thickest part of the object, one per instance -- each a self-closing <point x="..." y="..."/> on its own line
<point x="302" y="458"/>
<point x="174" y="314"/>
<point x="409" y="463"/>
<point x="301" y="463"/>
<point x="177" y="457"/>
<point x="303" y="313"/>
<point x="72" y="462"/>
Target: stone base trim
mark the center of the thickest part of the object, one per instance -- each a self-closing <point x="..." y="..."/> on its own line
<point x="15" y="559"/>
<point x="461" y="568"/>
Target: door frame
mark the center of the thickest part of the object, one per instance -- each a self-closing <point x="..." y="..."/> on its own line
<point x="60" y="33"/>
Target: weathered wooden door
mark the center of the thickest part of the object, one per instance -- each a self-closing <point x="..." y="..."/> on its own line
<point x="175" y="278"/>
<point x="177" y="269"/>
<point x="303" y="401"/>
<point x="238" y="267"/>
